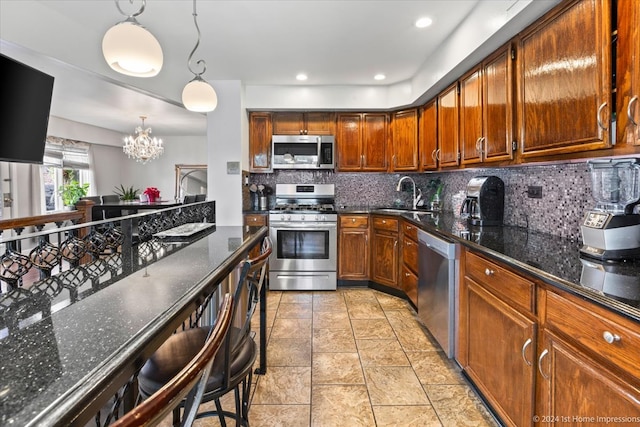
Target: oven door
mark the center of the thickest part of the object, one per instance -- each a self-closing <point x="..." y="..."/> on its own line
<point x="303" y="246"/>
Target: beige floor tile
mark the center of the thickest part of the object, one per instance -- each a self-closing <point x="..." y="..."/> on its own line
<point x="333" y="340"/>
<point x="379" y="344"/>
<point x="433" y="367"/>
<point x="406" y="416"/>
<point x="392" y="385"/>
<point x="331" y="320"/>
<point x="296" y="297"/>
<point x="329" y="305"/>
<point x="284" y="386"/>
<point x="359" y="295"/>
<point x="336" y="368"/>
<point x="389" y="302"/>
<point x="458" y="405"/>
<point x="280" y="415"/>
<point x="372" y="329"/>
<point x="365" y="310"/>
<point x="294" y="310"/>
<point x="273" y="299"/>
<point x="341" y="405"/>
<point x="291" y="328"/>
<point x="374" y="357"/>
<point x="289" y="352"/>
<point x="415" y="339"/>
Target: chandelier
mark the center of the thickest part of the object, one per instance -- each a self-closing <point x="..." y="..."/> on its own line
<point x="198" y="95"/>
<point x="143" y="147"/>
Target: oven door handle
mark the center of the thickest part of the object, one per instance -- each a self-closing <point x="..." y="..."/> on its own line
<point x="297" y="227"/>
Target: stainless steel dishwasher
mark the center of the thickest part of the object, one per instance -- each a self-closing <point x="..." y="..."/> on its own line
<point x="438" y="266"/>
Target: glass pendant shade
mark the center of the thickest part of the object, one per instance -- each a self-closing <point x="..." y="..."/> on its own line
<point x="199" y="96"/>
<point x="131" y="49"/>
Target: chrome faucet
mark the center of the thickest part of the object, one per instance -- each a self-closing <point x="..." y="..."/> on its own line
<point x="415" y="198"/>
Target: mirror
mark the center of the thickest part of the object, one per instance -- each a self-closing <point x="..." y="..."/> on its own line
<point x="190" y="180"/>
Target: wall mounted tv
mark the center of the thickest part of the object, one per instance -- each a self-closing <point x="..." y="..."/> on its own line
<point x="25" y="97"/>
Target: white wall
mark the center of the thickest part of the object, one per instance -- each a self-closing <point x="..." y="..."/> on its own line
<point x="224" y="136"/>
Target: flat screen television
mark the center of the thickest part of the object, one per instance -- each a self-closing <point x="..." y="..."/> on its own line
<point x="25" y="97"/>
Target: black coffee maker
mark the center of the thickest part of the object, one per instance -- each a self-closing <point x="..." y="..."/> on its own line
<point x="484" y="204"/>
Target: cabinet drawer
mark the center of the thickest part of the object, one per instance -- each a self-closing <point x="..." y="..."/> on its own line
<point x="385" y="223"/>
<point x="501" y="281"/>
<point x="410" y="254"/>
<point x="410" y="231"/>
<point x="591" y="326"/>
<point x="255" y="219"/>
<point x="409" y="284"/>
<point x="354" y="221"/>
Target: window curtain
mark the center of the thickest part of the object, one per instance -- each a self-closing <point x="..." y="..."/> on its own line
<point x="67" y="153"/>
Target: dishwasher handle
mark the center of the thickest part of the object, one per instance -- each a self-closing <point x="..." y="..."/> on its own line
<point x="442" y="246"/>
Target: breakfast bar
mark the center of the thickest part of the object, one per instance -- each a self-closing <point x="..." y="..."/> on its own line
<point x="61" y="363"/>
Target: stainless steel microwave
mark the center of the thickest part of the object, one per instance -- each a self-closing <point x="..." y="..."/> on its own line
<point x="303" y="151"/>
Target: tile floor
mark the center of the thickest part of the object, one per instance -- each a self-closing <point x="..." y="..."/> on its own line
<point x="355" y="357"/>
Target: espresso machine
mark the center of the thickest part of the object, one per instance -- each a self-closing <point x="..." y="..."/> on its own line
<point x="484" y="205"/>
<point x="611" y="230"/>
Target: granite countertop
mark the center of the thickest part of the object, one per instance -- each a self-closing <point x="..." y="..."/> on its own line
<point x="552" y="259"/>
<point x="61" y="348"/>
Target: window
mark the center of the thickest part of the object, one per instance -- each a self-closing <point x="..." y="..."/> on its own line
<point x="64" y="161"/>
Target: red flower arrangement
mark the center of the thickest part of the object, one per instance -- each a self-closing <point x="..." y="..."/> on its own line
<point x="152" y="194"/>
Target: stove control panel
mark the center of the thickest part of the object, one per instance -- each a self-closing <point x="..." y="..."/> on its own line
<point x="596" y="219"/>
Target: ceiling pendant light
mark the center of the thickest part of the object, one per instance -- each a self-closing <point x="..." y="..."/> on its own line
<point x="142" y="147"/>
<point x="131" y="49"/>
<point x="198" y="95"/>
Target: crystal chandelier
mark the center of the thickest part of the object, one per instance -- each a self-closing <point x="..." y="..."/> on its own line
<point x="143" y="147"/>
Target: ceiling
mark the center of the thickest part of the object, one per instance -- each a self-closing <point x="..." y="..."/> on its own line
<point x="341" y="43"/>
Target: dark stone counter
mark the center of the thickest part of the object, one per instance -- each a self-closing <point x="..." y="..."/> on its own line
<point x="63" y="351"/>
<point x="552" y="259"/>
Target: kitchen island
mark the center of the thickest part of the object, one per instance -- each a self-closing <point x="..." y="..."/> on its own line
<point x="62" y="358"/>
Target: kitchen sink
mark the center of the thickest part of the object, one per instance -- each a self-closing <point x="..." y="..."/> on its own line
<point x="401" y="211"/>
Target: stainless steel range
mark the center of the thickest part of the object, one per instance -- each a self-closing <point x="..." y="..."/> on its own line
<point x="303" y="227"/>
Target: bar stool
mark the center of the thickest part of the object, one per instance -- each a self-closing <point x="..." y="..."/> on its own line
<point x="188" y="385"/>
<point x="233" y="367"/>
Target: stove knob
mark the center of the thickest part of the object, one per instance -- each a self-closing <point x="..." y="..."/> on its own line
<point x="282" y="217"/>
<point x="288" y="217"/>
<point x="318" y="217"/>
<point x="301" y="217"/>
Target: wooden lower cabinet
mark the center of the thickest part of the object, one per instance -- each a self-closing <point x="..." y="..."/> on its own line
<point x="409" y="270"/>
<point x="353" y="247"/>
<point x="574" y="389"/>
<point x="499" y="349"/>
<point x="384" y="251"/>
<point x="255" y="220"/>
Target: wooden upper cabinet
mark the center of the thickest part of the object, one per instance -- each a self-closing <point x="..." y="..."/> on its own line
<point x="404" y="140"/>
<point x="448" y="127"/>
<point x="361" y="140"/>
<point x="304" y="123"/>
<point x="260" y="142"/>
<point x="628" y="73"/>
<point x="428" y="136"/>
<point x="564" y="77"/>
<point x="471" y="117"/>
<point x="498" y="106"/>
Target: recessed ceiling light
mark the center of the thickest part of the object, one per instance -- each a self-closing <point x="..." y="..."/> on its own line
<point x="379" y="77"/>
<point x="424" y="22"/>
<point x="301" y="77"/>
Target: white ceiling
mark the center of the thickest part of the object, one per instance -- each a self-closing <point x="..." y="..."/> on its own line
<point x="338" y="43"/>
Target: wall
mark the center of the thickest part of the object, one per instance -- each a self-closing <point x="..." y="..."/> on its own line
<point x="566" y="190"/>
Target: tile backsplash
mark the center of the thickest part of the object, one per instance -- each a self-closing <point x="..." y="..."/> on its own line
<point x="566" y="192"/>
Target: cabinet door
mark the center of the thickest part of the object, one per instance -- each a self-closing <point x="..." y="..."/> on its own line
<point x="428" y="136"/>
<point x="573" y="385"/>
<point x="409" y="284"/>
<point x="498" y="105"/>
<point x="288" y="123"/>
<point x="565" y="81"/>
<point x="353" y="254"/>
<point x="471" y="117"/>
<point x="405" y="141"/>
<point x="628" y="73"/>
<point x="260" y="142"/>
<point x="448" y="127"/>
<point x="374" y="142"/>
<point x="348" y="142"/>
<point x="500" y="348"/>
<point x="320" y="123"/>
<point x="384" y="256"/>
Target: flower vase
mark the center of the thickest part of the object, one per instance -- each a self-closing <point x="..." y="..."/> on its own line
<point x="151" y="198"/>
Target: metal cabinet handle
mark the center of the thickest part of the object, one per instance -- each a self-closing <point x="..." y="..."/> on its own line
<point x="353" y="220"/>
<point x="542" y="355"/>
<point x="384" y="221"/>
<point x="395" y="243"/>
<point x="610" y="338"/>
<point x="433" y="155"/>
<point x="630" y="108"/>
<point x="602" y="126"/>
<point x="406" y="274"/>
<point x="524" y="348"/>
<point x="438" y="154"/>
<point x="482" y="140"/>
<point x="488" y="271"/>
